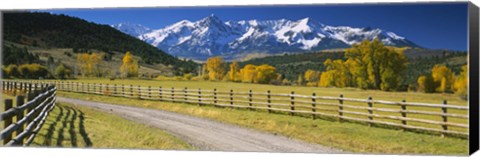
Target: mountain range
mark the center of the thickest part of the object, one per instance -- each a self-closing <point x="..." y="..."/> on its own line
<point x="211" y="36"/>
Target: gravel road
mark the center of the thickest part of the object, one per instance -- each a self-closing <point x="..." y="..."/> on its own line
<point x="206" y="134"/>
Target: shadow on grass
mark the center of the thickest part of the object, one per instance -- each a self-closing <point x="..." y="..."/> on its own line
<point x="88" y="142"/>
<point x="56" y="134"/>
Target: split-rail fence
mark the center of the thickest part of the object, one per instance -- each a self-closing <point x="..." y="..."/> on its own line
<point x="442" y="118"/>
<point x="33" y="102"/>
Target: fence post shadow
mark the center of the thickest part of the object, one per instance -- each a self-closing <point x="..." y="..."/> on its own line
<point x="51" y="128"/>
<point x="83" y="133"/>
<point x="73" y="135"/>
<point x="60" y="131"/>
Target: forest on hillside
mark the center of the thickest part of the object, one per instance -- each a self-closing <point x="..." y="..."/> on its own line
<point x="61" y="31"/>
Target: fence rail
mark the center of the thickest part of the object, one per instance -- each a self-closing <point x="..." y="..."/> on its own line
<point x="29" y="115"/>
<point x="441" y="118"/>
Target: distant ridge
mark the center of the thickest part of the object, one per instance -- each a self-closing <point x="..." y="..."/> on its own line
<point x="211" y="36"/>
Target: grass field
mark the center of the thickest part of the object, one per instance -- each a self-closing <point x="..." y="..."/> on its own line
<point x="347" y="136"/>
<point x="75" y="126"/>
<point x="320" y="91"/>
<point x="435" y="98"/>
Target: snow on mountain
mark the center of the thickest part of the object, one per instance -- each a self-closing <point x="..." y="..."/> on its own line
<point x="211" y="36"/>
<point x="131" y="29"/>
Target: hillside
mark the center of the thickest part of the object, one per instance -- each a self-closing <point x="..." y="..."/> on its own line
<point x="44" y="30"/>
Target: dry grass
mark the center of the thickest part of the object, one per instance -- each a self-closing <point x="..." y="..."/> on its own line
<point x="70" y="125"/>
<point x="347" y="92"/>
<point x="348" y="136"/>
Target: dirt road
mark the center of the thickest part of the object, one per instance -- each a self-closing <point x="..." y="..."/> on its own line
<point x="206" y="134"/>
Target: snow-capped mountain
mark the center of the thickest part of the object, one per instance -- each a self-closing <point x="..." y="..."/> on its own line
<point x="211" y="36"/>
<point x="131" y="29"/>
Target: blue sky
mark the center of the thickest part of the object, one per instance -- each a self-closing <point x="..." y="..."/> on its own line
<point x="438" y="26"/>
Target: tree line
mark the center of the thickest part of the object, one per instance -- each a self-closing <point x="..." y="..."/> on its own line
<point x="215" y="69"/>
<point x="367" y="65"/>
<point x="87" y="63"/>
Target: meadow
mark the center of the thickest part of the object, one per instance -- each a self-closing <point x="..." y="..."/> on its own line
<point x="436" y="98"/>
<point x="347" y="136"/>
<point x="69" y="125"/>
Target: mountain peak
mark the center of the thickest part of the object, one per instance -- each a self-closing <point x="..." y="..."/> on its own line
<point x="211" y="36"/>
<point x="131" y="28"/>
<point x="211" y="18"/>
<point x="304" y="20"/>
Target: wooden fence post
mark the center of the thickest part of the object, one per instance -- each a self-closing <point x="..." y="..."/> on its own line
<point x="14" y="88"/>
<point x="20" y="101"/>
<point x="30" y="88"/>
<point x="83" y="87"/>
<point x="107" y="91"/>
<point x="139" y="92"/>
<point x="404" y="114"/>
<point x="77" y="89"/>
<point x="231" y="97"/>
<point x="314" y="105"/>
<point x="7" y="121"/>
<point x="94" y="86"/>
<point x="7" y="87"/>
<point x="173" y="94"/>
<point x="88" y="88"/>
<point x="250" y="99"/>
<point x="114" y="89"/>
<point x="160" y="93"/>
<point x="340" y="108"/>
<point x="100" y="90"/>
<point x="149" y="92"/>
<point x="215" y="96"/>
<point x="185" y="94"/>
<point x="444" y="117"/>
<point x="123" y="90"/>
<point x="269" y="102"/>
<point x="131" y="90"/>
<point x="199" y="97"/>
<point x="292" y="101"/>
<point x="370" y="106"/>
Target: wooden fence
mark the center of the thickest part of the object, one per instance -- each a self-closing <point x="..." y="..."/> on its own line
<point x="29" y="116"/>
<point x="445" y="119"/>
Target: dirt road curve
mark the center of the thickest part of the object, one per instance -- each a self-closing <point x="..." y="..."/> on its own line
<point x="206" y="134"/>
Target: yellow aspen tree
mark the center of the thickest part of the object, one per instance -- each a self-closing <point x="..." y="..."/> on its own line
<point x="461" y="83"/>
<point x="234" y="71"/>
<point x="215" y="67"/>
<point x="249" y="73"/>
<point x="129" y="67"/>
<point x="265" y="74"/>
<point x="82" y="63"/>
<point x="312" y="77"/>
<point x="440" y="72"/>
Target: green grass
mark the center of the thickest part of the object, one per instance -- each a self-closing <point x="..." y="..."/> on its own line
<point x="353" y="137"/>
<point x="320" y="91"/>
<point x="75" y="126"/>
<point x="347" y="92"/>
